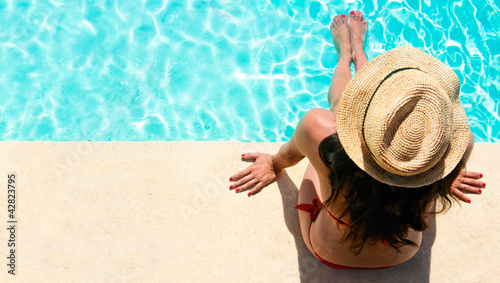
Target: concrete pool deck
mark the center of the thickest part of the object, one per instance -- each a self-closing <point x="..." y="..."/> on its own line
<point x="162" y="212"/>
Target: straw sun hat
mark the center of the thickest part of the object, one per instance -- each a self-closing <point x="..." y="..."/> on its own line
<point x="401" y="121"/>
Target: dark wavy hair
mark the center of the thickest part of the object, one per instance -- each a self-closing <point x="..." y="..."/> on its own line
<point x="377" y="211"/>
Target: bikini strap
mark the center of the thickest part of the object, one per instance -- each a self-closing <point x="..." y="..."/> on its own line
<point x="336" y="219"/>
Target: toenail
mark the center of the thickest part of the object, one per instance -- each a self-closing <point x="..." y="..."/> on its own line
<point x="352" y="12"/>
<point x="344" y="16"/>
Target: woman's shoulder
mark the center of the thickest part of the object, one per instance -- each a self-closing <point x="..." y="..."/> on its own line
<point x="319" y="123"/>
<point x="313" y="127"/>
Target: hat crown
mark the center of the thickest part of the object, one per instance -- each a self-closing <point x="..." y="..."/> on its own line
<point x="407" y="127"/>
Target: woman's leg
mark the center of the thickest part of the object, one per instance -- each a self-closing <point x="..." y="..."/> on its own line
<point x="349" y="40"/>
<point x="358" y="27"/>
<point x="342" y="74"/>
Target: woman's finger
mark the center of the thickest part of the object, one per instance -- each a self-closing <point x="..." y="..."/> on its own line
<point x="469" y="174"/>
<point x="256" y="189"/>
<point x="240" y="175"/>
<point x="246" y="186"/>
<point x="468" y="189"/>
<point x="241" y="182"/>
<point x="474" y="183"/>
<point x="459" y="194"/>
<point x="250" y="155"/>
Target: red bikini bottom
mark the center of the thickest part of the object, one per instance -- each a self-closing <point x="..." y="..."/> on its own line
<point x="314" y="209"/>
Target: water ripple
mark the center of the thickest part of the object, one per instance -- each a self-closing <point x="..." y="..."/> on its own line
<point x="215" y="70"/>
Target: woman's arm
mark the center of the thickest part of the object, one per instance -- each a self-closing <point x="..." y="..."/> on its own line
<point x="288" y="155"/>
<point x="266" y="167"/>
<point x="315" y="125"/>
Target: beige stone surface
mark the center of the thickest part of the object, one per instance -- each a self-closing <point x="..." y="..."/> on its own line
<point x="162" y="211"/>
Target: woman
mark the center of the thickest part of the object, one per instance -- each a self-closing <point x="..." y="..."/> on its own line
<point x="395" y="143"/>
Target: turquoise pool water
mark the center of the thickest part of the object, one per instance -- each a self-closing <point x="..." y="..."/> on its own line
<point x="130" y="70"/>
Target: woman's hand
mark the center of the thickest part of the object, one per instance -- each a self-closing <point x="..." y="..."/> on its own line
<point x="258" y="175"/>
<point x="467" y="182"/>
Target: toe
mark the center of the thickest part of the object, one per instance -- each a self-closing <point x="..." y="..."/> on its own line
<point x="338" y="20"/>
<point x="344" y="18"/>
<point x="351" y="15"/>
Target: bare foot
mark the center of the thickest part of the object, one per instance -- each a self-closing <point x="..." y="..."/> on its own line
<point x="340" y="34"/>
<point x="358" y="27"/>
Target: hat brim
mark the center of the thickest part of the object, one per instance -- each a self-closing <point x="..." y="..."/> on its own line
<point x="356" y="98"/>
